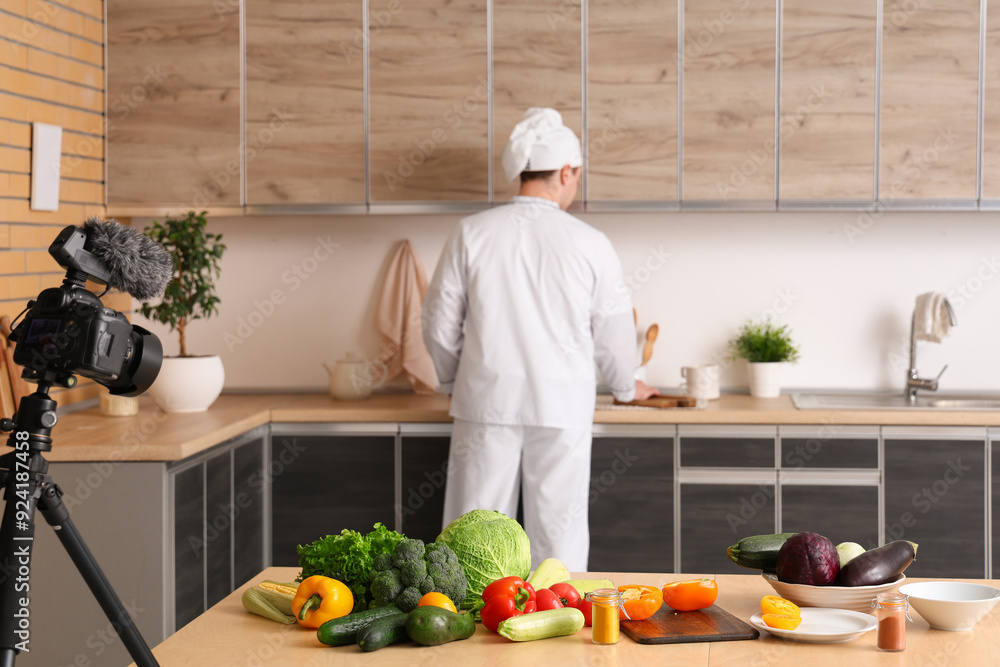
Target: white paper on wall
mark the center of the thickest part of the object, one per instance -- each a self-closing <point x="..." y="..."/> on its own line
<point x="46" y="150"/>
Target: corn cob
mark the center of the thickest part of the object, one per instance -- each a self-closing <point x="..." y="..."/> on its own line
<point x="271" y="599"/>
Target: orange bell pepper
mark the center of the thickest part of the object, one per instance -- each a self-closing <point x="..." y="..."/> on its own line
<point x="691" y="594"/>
<point x="319" y="599"/>
<point x="640" y="602"/>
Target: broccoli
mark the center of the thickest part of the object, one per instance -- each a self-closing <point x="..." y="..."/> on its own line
<point x="381" y="562"/>
<point x="415" y="570"/>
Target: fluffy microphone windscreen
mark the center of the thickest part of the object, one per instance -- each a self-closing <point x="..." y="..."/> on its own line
<point x="136" y="264"/>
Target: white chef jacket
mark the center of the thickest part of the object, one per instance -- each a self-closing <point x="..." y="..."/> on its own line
<point x="523" y="301"/>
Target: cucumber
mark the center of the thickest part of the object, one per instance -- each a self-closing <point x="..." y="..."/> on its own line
<point x="344" y="630"/>
<point x="542" y="624"/>
<point x="383" y="631"/>
<point x="431" y="626"/>
<point x="759" y="552"/>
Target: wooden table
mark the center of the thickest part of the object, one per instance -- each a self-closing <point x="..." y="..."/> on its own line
<point x="227" y="635"/>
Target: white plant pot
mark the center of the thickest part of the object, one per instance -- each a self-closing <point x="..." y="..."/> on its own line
<point x="188" y="384"/>
<point x="765" y="378"/>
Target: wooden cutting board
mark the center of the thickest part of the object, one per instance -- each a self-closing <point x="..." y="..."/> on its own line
<point x="663" y="402"/>
<point x="677" y="627"/>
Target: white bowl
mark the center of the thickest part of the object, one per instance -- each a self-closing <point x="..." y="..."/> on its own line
<point x="856" y="598"/>
<point x="951" y="605"/>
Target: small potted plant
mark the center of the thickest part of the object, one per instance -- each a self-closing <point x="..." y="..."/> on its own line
<point x="766" y="348"/>
<point x="187" y="383"/>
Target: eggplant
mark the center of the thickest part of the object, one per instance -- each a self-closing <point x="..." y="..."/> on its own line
<point x="808" y="558"/>
<point x="878" y="566"/>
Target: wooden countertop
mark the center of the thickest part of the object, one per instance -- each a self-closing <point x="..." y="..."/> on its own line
<point x="227" y="635"/>
<point x="153" y="435"/>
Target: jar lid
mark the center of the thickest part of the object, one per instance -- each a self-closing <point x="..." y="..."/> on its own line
<point x="891" y="601"/>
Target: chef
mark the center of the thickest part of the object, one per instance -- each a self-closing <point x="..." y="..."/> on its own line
<point x="525" y="299"/>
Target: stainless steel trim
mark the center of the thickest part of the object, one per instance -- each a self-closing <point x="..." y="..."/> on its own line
<point x="397" y="481"/>
<point x="243" y="103"/>
<point x="727" y="430"/>
<point x="778" y="508"/>
<point x="268" y="557"/>
<point x="584" y="139"/>
<point x="778" y="40"/>
<point x="729" y="205"/>
<point x="879" y="29"/>
<point x="366" y="40"/>
<point x="634" y="430"/>
<point x="630" y="206"/>
<point x="828" y="477"/>
<point x="425" y="429"/>
<point x="151" y="210"/>
<point x="881" y="487"/>
<point x="992" y="435"/>
<point x="826" y="204"/>
<point x="334" y="428"/>
<point x="934" y="432"/>
<point x="981" y="106"/>
<point x="169" y="556"/>
<point x="929" y="205"/>
<point x="231" y="520"/>
<point x="677" y="499"/>
<point x="489" y="97"/>
<point x="107" y="124"/>
<point x="307" y="209"/>
<point x="680" y="111"/>
<point x="767" y="476"/>
<point x="204" y="535"/>
<point x="418" y="208"/>
<point x="827" y="431"/>
<point x="989" y="204"/>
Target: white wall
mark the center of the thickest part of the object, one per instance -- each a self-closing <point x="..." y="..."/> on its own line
<point x="844" y="282"/>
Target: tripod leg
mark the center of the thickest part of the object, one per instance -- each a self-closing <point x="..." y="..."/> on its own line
<point x="16" y="544"/>
<point x="57" y="515"/>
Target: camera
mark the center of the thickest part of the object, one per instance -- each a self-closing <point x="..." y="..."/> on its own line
<point x="67" y="331"/>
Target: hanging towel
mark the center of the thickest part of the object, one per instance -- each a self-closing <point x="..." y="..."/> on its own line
<point x="397" y="318"/>
<point x="931" y="319"/>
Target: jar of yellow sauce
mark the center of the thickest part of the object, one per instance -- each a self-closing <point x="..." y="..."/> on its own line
<point x="605" y="615"/>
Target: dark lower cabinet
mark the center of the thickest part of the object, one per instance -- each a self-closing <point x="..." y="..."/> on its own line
<point x="218" y="500"/>
<point x="840" y="513"/>
<point x="995" y="445"/>
<point x="424" y="477"/>
<point x="322" y="484"/>
<point x="715" y="516"/>
<point x="935" y="495"/>
<point x="632" y="504"/>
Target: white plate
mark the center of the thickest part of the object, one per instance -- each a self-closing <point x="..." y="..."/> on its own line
<point x="823" y="626"/>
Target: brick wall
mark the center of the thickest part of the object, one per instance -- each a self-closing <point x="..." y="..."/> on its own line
<point x="51" y="71"/>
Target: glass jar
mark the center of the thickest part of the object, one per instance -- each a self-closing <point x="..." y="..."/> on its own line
<point x="605" y="615"/>
<point x="891" y="616"/>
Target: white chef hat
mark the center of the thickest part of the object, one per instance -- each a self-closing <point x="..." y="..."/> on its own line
<point x="540" y="142"/>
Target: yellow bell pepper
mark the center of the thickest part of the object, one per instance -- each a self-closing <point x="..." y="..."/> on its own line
<point x="319" y="599"/>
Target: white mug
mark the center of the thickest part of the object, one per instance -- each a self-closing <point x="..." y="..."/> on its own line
<point x="702" y="382"/>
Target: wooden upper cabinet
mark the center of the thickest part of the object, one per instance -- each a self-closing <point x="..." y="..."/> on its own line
<point x="827" y="128"/>
<point x="174" y="103"/>
<point x="728" y="132"/>
<point x="631" y="100"/>
<point x="930" y="84"/>
<point x="537" y="56"/>
<point x="305" y="125"/>
<point x="428" y="100"/>
<point x="991" y="115"/>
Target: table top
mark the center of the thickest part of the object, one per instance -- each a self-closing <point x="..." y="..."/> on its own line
<point x="227" y="635"/>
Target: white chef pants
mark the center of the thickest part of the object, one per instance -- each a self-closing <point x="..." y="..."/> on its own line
<point x="486" y="462"/>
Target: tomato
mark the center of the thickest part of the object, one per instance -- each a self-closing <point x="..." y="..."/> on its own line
<point x="434" y="599"/>
<point x="587" y="607"/>
<point x="690" y="595"/>
<point x="772" y="604"/>
<point x="567" y="594"/>
<point x="546" y="598"/>
<point x="640" y="602"/>
<point x="781" y="621"/>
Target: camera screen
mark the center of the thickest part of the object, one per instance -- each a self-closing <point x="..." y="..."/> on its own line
<point x="43" y="330"/>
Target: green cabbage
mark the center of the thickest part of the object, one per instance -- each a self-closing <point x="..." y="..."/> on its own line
<point x="490" y="546"/>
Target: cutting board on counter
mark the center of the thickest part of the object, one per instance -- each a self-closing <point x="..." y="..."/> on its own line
<point x="663" y="402"/>
<point x="677" y="627"/>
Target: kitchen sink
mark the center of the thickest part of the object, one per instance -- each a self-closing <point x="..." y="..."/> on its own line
<point x="894" y="402"/>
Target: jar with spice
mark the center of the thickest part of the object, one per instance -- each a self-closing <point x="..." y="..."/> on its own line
<point x="605" y="620"/>
<point x="891" y="615"/>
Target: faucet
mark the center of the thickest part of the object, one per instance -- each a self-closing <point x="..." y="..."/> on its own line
<point x="913" y="380"/>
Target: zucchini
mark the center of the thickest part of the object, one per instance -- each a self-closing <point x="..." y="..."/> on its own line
<point x="542" y="624"/>
<point x="431" y="626"/>
<point x="878" y="566"/>
<point x="383" y="631"/>
<point x="758" y="552"/>
<point x="344" y="630"/>
<point x="584" y="586"/>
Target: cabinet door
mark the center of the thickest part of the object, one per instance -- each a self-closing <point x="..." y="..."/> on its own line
<point x="429" y="100"/>
<point x="935" y="496"/>
<point x="728" y="135"/>
<point x="827" y="128"/>
<point x="424" y="478"/>
<point x="305" y="125"/>
<point x="324" y="484"/>
<point x="250" y="495"/>
<point x="536" y="63"/>
<point x="632" y="505"/>
<point x="995" y="493"/>
<point x="631" y="100"/>
<point x="991" y="103"/>
<point x="174" y="128"/>
<point x="720" y="447"/>
<point x="716" y="516"/>
<point x="189" y="545"/>
<point x="930" y="97"/>
<point x="840" y="513"/>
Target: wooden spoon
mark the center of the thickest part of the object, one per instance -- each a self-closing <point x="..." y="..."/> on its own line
<point x="647" y="349"/>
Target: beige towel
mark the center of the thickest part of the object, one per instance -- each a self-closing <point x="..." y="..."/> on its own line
<point x="931" y="321"/>
<point x="397" y="318"/>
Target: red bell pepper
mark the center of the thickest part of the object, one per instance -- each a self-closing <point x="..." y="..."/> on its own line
<point x="508" y="586"/>
<point x="501" y="607"/>
<point x="547" y="599"/>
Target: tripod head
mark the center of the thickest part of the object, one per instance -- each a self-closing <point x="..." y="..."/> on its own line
<point x="35" y="416"/>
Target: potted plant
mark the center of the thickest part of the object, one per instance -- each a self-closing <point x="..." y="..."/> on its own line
<point x="766" y="348"/>
<point x="187" y="383"/>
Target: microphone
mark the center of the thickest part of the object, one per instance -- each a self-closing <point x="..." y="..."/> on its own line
<point x="135" y="263"/>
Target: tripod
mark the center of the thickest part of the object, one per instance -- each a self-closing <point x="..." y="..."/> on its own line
<point x="23" y="474"/>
